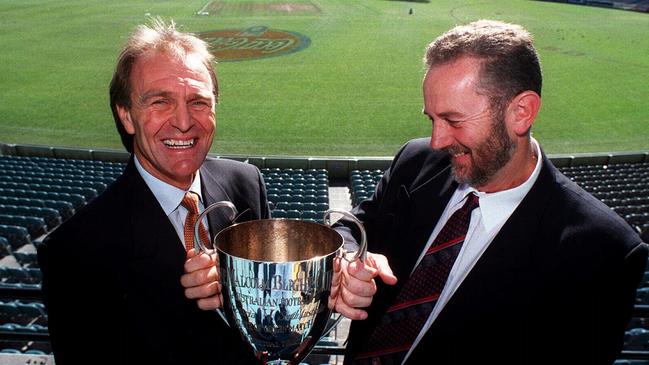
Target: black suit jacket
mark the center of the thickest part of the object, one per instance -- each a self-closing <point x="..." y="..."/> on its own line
<point x="555" y="286"/>
<point x="111" y="276"/>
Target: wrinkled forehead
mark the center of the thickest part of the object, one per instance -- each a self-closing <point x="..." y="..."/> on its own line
<point x="155" y="67"/>
<point x="453" y="86"/>
<point x="459" y="76"/>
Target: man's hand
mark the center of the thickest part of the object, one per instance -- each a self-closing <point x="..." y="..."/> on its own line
<point x="201" y="280"/>
<point x="354" y="286"/>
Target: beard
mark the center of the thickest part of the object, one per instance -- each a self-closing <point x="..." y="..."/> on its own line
<point x="487" y="158"/>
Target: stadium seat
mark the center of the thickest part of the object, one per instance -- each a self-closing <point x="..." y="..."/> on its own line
<point x="293" y="214"/>
<point x="13" y="185"/>
<point x="26" y="259"/>
<point x="96" y="185"/>
<point x="87" y="192"/>
<point x="51" y="216"/>
<point x="311" y="215"/>
<point x="642" y="296"/>
<point x="30" y="328"/>
<point x="31" y="313"/>
<point x="636" y="339"/>
<point x="5" y="248"/>
<point x="278" y="213"/>
<point x="23" y="275"/>
<point x="16" y="275"/>
<point x="76" y="200"/>
<point x="8" y="327"/>
<point x="273" y="198"/>
<point x="295" y="206"/>
<point x="289" y="198"/>
<point x="8" y="312"/>
<point x="309" y="206"/>
<point x="17" y="236"/>
<point x="631" y="362"/>
<point x="35" y="352"/>
<point x="322" y="207"/>
<point x="35" y="225"/>
<point x="282" y="205"/>
<point x="65" y="208"/>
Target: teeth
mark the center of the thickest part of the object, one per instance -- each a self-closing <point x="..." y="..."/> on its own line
<point x="175" y="143"/>
<point x="459" y="154"/>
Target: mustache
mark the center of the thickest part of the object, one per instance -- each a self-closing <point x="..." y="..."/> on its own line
<point x="455" y="149"/>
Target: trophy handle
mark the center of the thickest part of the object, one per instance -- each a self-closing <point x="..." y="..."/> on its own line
<point x="198" y="244"/>
<point x="362" y="250"/>
<point x="360" y="254"/>
<point x="200" y="247"/>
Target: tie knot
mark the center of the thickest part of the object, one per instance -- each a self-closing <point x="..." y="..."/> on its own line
<point x="190" y="202"/>
<point x="472" y="202"/>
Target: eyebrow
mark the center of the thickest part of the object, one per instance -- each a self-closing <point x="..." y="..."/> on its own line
<point x="444" y="115"/>
<point x="166" y="94"/>
<point x="152" y="94"/>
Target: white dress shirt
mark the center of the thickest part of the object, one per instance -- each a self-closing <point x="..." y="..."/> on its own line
<point x="486" y="221"/>
<point x="169" y="197"/>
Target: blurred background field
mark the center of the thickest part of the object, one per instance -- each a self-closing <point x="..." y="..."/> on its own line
<point x="355" y="91"/>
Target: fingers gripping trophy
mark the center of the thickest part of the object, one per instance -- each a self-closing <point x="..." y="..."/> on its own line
<point x="277" y="275"/>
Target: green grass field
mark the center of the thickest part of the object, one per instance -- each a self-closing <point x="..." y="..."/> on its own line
<point x="355" y="91"/>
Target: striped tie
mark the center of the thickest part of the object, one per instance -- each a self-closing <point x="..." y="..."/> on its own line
<point x="190" y="202"/>
<point x="404" y="319"/>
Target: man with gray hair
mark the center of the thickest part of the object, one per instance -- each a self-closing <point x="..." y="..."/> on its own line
<point x="500" y="259"/>
<point x="120" y="276"/>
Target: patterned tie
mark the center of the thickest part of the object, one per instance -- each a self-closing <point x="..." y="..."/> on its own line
<point x="401" y="324"/>
<point x="190" y="202"/>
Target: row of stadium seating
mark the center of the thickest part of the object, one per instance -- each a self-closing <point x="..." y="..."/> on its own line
<point x="297" y="193"/>
<point x="36" y="195"/>
<point x="363" y="183"/>
<point x="623" y="187"/>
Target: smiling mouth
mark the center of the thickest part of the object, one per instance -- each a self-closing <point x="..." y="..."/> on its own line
<point x="179" y="144"/>
<point x="457" y="151"/>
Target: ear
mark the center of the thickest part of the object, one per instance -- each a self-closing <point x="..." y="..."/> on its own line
<point x="523" y="110"/>
<point x="125" y="117"/>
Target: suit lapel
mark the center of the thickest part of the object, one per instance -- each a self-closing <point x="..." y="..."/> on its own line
<point x="417" y="211"/>
<point x="213" y="192"/>
<point x="152" y="230"/>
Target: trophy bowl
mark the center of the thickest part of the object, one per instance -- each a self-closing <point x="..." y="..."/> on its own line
<point x="276" y="277"/>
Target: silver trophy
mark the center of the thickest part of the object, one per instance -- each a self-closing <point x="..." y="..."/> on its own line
<point x="276" y="277"/>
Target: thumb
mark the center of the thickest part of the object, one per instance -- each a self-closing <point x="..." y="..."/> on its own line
<point x="380" y="262"/>
<point x="361" y="271"/>
<point x="190" y="253"/>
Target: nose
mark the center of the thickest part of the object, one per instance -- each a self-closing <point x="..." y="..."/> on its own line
<point x="441" y="136"/>
<point x="182" y="119"/>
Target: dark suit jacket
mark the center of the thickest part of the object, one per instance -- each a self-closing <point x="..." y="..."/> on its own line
<point x="111" y="276"/>
<point x="555" y="286"/>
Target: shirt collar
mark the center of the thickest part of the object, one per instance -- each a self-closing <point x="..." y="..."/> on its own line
<point x="168" y="196"/>
<point x="496" y="207"/>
